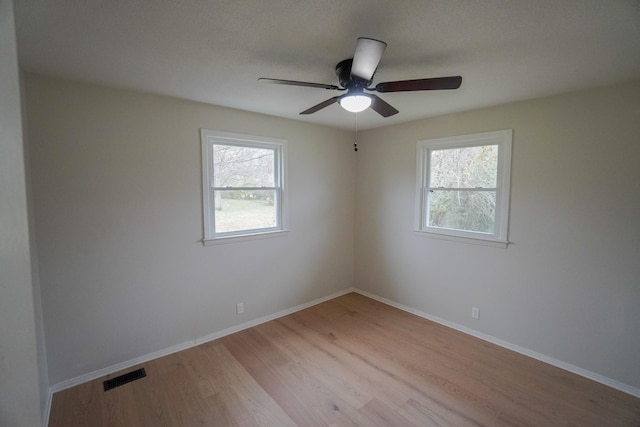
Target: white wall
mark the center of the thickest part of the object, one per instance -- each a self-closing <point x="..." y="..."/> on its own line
<point x="21" y="393"/>
<point x="569" y="285"/>
<point x="116" y="180"/>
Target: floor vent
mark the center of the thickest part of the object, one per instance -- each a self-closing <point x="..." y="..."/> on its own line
<point x="124" y="378"/>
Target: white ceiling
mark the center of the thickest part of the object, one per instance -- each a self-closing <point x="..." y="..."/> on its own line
<point x="214" y="50"/>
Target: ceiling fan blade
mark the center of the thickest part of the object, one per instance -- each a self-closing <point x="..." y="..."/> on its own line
<point x="381" y="107"/>
<point x="322" y="105"/>
<point x="436" y="83"/>
<point x="296" y="83"/>
<point x="367" y="57"/>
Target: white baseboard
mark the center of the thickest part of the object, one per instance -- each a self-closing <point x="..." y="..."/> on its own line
<point x="188" y="344"/>
<point x="518" y="349"/>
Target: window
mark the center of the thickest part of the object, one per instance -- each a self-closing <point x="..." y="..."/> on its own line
<point x="462" y="191"/>
<point x="243" y="186"/>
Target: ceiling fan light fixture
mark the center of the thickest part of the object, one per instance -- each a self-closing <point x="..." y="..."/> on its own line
<point x="355" y="103"/>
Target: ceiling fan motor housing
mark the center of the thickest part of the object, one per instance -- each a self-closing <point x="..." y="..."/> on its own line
<point x="343" y="71"/>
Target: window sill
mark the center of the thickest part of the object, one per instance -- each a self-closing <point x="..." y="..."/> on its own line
<point x="463" y="239"/>
<point x="244" y="237"/>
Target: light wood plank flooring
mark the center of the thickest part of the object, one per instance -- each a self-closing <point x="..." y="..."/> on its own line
<point x="351" y="361"/>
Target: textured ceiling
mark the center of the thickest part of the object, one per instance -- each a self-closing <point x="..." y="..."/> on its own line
<point x="213" y="51"/>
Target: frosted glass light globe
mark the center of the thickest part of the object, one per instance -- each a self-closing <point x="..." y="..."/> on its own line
<point x="355" y="103"/>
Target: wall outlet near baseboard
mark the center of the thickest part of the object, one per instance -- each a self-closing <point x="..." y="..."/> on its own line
<point x="475" y="313"/>
<point x="240" y="308"/>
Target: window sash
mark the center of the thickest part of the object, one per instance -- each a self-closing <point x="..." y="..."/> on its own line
<point x="461" y="188"/>
<point x="277" y="212"/>
<point x="428" y="213"/>
<point x="229" y="187"/>
<point x="468" y="149"/>
<point x="277" y="159"/>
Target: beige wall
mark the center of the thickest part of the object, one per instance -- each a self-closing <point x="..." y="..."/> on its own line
<point x="116" y="178"/>
<point x="21" y="391"/>
<point x="569" y="284"/>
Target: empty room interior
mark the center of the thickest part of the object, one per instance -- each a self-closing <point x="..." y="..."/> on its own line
<point x="199" y="228"/>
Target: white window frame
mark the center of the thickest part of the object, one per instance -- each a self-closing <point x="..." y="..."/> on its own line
<point x="209" y="138"/>
<point x="501" y="138"/>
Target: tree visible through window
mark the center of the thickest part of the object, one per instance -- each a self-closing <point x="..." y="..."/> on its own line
<point x="462" y="191"/>
<point x="464" y="187"/>
<point x="244" y="190"/>
<point x="243" y="181"/>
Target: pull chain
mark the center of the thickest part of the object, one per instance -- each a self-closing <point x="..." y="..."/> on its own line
<point x="355" y="143"/>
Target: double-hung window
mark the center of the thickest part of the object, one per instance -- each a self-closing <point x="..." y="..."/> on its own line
<point x="463" y="187"/>
<point x="243" y="186"/>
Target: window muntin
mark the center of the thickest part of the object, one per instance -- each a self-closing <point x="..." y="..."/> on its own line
<point x="463" y="189"/>
<point x="243" y="179"/>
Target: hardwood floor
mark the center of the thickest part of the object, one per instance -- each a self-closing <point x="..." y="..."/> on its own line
<point x="351" y="361"/>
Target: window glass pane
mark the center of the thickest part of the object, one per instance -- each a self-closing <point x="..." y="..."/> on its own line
<point x="239" y="210"/>
<point x="462" y="210"/>
<point x="466" y="167"/>
<point x="235" y="166"/>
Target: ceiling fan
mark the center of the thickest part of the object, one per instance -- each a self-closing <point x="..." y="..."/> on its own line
<point x="355" y="76"/>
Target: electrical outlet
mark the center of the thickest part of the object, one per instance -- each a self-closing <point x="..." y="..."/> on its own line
<point x="475" y="313"/>
<point x="240" y="308"/>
